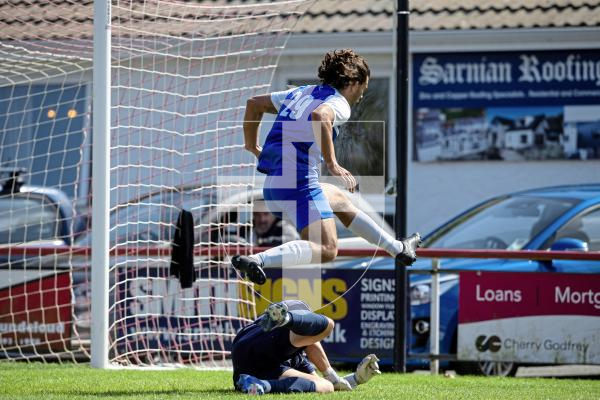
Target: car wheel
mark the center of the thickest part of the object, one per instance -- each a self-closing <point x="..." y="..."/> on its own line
<point x="487" y="368"/>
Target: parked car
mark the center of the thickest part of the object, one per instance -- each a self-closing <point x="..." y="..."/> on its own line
<point x="554" y="218"/>
<point x="37" y="215"/>
<point x="33" y="216"/>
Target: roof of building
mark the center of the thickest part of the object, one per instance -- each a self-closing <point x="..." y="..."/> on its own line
<point x="433" y="15"/>
<point x="28" y="19"/>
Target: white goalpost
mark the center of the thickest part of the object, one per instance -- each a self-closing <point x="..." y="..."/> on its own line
<point x="101" y="183"/>
<point x="117" y="115"/>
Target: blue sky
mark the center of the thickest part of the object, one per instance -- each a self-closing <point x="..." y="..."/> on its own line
<point x="517" y="112"/>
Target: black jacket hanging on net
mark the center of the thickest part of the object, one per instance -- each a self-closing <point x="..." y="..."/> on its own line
<point x="182" y="250"/>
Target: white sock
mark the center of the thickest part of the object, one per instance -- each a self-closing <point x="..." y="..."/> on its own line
<point x="296" y="252"/>
<point x="363" y="226"/>
<point x="351" y="380"/>
<point x="331" y="375"/>
<point x="266" y="385"/>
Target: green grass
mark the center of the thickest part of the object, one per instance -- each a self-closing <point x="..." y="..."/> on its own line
<point x="51" y="381"/>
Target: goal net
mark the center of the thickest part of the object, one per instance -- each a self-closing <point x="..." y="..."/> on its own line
<point x="181" y="72"/>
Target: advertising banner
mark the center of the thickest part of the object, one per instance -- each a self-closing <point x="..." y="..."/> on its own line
<point x="527" y="105"/>
<point x="529" y="317"/>
<point x="153" y="312"/>
<point x="156" y="311"/>
<point x="360" y="302"/>
<point x="35" y="316"/>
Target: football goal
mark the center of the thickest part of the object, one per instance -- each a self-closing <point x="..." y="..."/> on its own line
<point x="116" y="116"/>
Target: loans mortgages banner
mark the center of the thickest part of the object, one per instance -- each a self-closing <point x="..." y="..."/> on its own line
<point x="529" y="317"/>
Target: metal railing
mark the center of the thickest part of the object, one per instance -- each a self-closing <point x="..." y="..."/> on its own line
<point x="539" y="255"/>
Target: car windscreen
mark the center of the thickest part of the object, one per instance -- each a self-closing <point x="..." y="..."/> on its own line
<point x="506" y="223"/>
<point x="27" y="218"/>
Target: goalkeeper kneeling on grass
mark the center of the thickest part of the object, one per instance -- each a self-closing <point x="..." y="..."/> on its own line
<point x="279" y="351"/>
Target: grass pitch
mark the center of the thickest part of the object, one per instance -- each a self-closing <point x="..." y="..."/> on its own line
<point x="51" y="381"/>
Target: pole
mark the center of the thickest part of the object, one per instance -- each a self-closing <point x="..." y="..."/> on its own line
<point x="401" y="290"/>
<point x="100" y="183"/>
<point x="401" y="118"/>
<point x="434" y="316"/>
<point x="402" y="310"/>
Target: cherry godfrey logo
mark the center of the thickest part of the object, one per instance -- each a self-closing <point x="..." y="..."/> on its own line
<point x="483" y="343"/>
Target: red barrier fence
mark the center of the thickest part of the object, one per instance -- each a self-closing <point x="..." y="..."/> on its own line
<point x="214" y="250"/>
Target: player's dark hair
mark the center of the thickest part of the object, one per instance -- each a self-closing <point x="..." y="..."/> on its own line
<point x="339" y="68"/>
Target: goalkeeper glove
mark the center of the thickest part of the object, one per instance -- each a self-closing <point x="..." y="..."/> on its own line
<point x="365" y="370"/>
